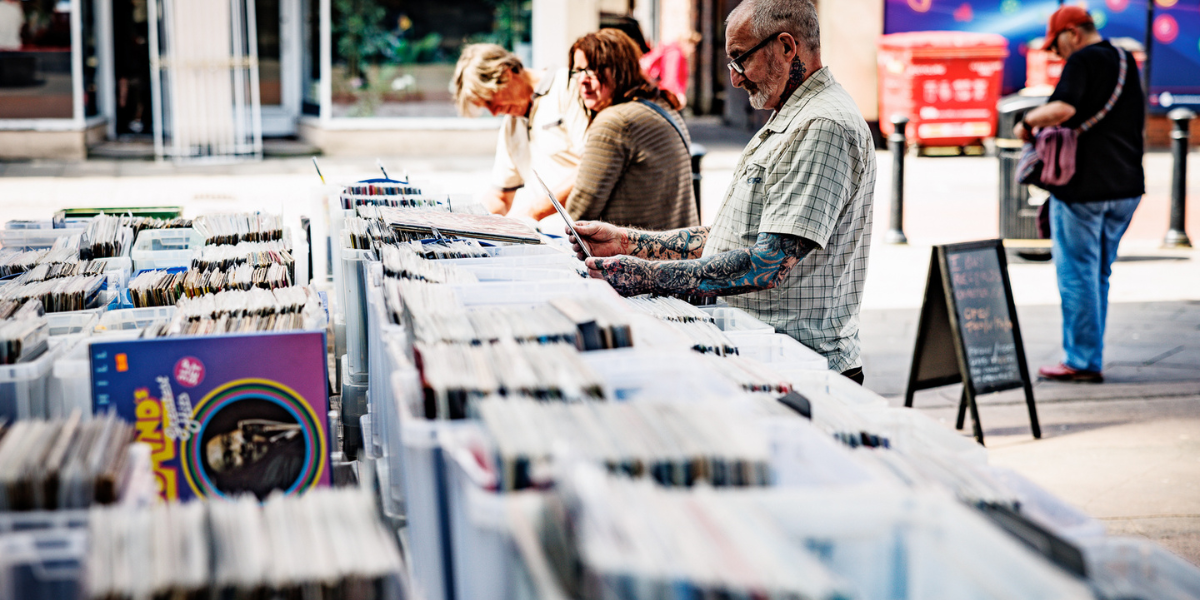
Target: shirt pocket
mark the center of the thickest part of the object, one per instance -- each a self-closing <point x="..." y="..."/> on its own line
<point x="746" y="202"/>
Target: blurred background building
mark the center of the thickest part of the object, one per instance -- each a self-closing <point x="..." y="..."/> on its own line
<point x="346" y="76"/>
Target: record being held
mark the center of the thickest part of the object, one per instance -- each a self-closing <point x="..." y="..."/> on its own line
<point x="483" y="227"/>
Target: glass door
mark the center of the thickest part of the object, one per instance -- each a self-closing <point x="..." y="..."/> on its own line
<point x="279" y="37"/>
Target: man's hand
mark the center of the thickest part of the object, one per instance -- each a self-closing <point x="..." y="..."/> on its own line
<point x="628" y="275"/>
<point x="1021" y="133"/>
<point x="601" y="238"/>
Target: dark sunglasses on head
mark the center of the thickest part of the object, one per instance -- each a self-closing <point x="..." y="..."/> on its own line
<point x="735" y="64"/>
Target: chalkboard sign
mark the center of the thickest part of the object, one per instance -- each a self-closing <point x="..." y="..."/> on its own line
<point x="968" y="331"/>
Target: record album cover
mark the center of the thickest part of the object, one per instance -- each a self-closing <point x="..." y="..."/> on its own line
<point x="223" y="415"/>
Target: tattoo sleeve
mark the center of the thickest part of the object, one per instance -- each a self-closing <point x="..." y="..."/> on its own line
<point x="762" y="266"/>
<point x="677" y="244"/>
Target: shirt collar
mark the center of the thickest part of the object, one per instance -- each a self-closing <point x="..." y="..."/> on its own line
<point x="815" y="84"/>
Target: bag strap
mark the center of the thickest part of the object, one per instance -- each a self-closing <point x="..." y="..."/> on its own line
<point x="1088" y="124"/>
<point x="662" y="111"/>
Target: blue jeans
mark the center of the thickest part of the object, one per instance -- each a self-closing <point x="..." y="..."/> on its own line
<point x="1085" y="236"/>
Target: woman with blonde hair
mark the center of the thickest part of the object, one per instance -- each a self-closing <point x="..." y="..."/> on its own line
<point x="636" y="167"/>
<point x="543" y="130"/>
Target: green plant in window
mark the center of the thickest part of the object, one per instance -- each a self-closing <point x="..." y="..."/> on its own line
<point x="358" y="28"/>
<point x="510" y="25"/>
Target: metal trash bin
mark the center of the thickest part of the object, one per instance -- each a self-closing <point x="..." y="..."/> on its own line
<point x="1018" y="203"/>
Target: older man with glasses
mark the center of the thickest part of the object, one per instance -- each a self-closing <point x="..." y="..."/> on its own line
<point x="791" y="241"/>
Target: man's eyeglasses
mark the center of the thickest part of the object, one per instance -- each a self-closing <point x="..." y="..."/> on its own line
<point x="735" y="64"/>
<point x="585" y="74"/>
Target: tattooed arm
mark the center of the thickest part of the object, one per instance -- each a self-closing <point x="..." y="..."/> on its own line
<point x="762" y="266"/>
<point x="609" y="240"/>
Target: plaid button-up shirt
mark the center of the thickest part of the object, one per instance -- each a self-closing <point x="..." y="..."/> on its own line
<point x="810" y="172"/>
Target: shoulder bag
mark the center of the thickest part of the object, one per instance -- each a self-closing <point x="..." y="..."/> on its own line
<point x="662" y="111"/>
<point x="1049" y="160"/>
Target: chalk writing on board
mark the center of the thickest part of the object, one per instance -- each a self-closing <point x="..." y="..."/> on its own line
<point x="983" y="318"/>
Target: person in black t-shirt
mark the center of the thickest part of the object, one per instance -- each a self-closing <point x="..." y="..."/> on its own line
<point x="1091" y="212"/>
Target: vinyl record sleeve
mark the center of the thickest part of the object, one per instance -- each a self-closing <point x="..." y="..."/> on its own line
<point x="258" y="419"/>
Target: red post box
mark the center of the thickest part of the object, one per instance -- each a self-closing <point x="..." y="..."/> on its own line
<point x="946" y="82"/>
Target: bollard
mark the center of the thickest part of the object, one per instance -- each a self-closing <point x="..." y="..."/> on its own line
<point x="897" y="144"/>
<point x="1177" y="236"/>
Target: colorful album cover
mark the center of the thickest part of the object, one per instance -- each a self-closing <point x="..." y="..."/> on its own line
<point x="224" y="416"/>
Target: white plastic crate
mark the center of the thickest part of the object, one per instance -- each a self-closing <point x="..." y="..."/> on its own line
<point x="43" y="564"/>
<point x="1046" y="509"/>
<point x="165" y="248"/>
<point x="117" y="263"/>
<point x="912" y="431"/>
<point x="783" y="353"/>
<point x="736" y="320"/>
<point x="354" y="294"/>
<point x="133" y="318"/>
<point x="423" y="476"/>
<point x="75" y="321"/>
<point x="1137" y="568"/>
<point x="23" y="387"/>
<point x="33" y="239"/>
<point x="69" y="387"/>
<point x="822" y="383"/>
<point x="15" y="522"/>
<point x="481" y="546"/>
<point x="381" y="332"/>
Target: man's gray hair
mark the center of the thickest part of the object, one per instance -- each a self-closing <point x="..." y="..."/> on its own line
<point x="767" y="17"/>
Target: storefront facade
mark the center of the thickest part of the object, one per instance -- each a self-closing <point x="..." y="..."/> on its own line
<point x="349" y="76"/>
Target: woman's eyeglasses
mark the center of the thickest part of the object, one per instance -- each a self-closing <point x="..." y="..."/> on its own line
<point x="585" y="74"/>
<point x="735" y="64"/>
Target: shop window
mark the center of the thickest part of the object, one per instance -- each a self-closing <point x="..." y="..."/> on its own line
<point x="35" y="60"/>
<point x="311" y="59"/>
<point x="270" y="89"/>
<point x="91" y="62"/>
<point x="395" y="58"/>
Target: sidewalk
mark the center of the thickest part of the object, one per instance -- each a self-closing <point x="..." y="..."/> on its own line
<point x="1125" y="451"/>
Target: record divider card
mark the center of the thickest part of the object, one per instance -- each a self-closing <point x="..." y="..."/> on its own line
<point x="223" y="415"/>
<point x="968" y="330"/>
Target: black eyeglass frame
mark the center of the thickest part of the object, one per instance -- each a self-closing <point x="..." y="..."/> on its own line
<point x="592" y="73"/>
<point x="735" y="64"/>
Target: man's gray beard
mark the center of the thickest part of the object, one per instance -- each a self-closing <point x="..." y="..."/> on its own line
<point x="775" y="75"/>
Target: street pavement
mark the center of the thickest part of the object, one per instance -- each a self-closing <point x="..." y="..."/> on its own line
<point x="1126" y="451"/>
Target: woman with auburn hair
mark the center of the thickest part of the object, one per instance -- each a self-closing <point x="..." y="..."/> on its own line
<point x="636" y="168"/>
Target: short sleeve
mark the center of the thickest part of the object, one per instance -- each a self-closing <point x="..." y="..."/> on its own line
<point x="809" y="183"/>
<point x="504" y="171"/>
<point x="1072" y="84"/>
<point x="606" y="155"/>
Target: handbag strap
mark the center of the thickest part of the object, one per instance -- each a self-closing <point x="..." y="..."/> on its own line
<point x="662" y="111"/>
<point x="1088" y="124"/>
